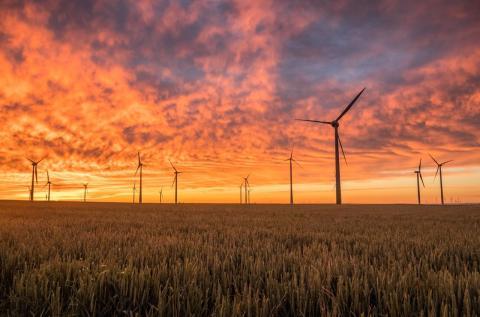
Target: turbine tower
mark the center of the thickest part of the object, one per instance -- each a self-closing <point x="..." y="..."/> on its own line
<point x="85" y="186"/>
<point x="439" y="168"/>
<point x="335" y="124"/>
<point x="139" y="167"/>
<point x="49" y="183"/>
<point x="291" y="159"/>
<point x="175" y="180"/>
<point x="34" y="177"/>
<point x="419" y="177"/>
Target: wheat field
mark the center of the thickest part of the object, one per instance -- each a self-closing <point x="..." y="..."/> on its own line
<point x="106" y="259"/>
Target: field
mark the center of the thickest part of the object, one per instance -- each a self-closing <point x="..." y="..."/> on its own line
<point x="85" y="259"/>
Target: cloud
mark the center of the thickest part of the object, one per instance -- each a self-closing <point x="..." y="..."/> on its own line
<point x="215" y="85"/>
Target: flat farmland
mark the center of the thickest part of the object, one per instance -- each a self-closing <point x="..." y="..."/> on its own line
<point x="106" y="259"/>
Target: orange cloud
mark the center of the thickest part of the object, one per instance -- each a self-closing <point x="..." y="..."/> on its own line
<point x="215" y="86"/>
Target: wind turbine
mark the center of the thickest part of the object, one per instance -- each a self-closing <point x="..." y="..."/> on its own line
<point x="241" y="187"/>
<point x="175" y="180"/>
<point x="439" y="168"/>
<point x="247" y="184"/>
<point x="139" y="167"/>
<point x="419" y="177"/>
<point x="161" y="194"/>
<point x="134" y="189"/>
<point x="29" y="192"/>
<point x="335" y="124"/>
<point x="49" y="183"/>
<point x="34" y="177"/>
<point x="291" y="159"/>
<point x="85" y="186"/>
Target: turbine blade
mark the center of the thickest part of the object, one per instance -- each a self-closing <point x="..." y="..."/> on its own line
<point x="36" y="174"/>
<point x="446" y="162"/>
<point x="30" y="160"/>
<point x="48" y="177"/>
<point x="438" y="167"/>
<point x="136" y="171"/>
<point x="173" y="183"/>
<point x="172" y="165"/>
<point x="420" y="165"/>
<point x="341" y="147"/>
<point x="139" y="161"/>
<point x="433" y="159"/>
<point x="422" y="179"/>
<point x="316" y="121"/>
<point x="350" y="105"/>
<point x="297" y="163"/>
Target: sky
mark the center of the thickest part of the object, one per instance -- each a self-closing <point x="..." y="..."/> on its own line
<point x="215" y="86"/>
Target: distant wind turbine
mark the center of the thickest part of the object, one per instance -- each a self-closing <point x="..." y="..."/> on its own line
<point x="161" y="194"/>
<point x="419" y="178"/>
<point x="175" y="180"/>
<point x="139" y="167"/>
<point x="241" y="187"/>
<point x="34" y="177"/>
<point x="49" y="183"/>
<point x="29" y="192"/>
<point x="291" y="159"/>
<point x="246" y="185"/>
<point x="134" y="189"/>
<point x="439" y="168"/>
<point x="335" y="125"/>
<point x="85" y="186"/>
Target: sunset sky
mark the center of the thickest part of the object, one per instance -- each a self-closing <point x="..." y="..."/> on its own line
<point x="215" y="86"/>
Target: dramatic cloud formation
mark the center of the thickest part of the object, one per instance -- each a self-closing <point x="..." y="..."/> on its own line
<point x="215" y="85"/>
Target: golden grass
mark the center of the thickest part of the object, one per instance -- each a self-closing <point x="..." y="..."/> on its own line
<point x="230" y="260"/>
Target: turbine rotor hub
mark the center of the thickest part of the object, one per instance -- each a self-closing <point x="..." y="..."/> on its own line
<point x="335" y="124"/>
